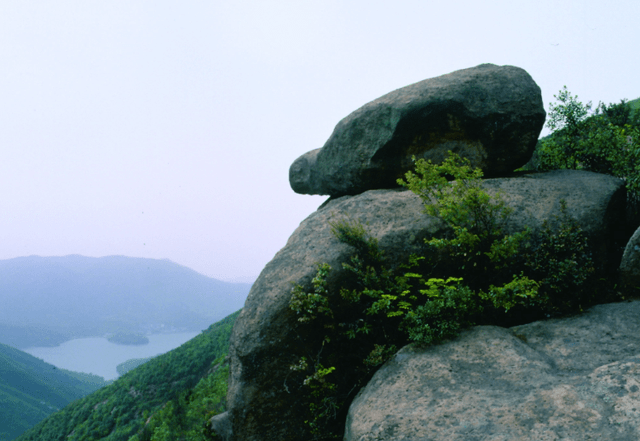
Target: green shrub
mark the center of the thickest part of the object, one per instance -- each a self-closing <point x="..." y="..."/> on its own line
<point x="477" y="247"/>
<point x="565" y="117"/>
<point x="448" y="310"/>
<point x="563" y="264"/>
<point x="344" y="333"/>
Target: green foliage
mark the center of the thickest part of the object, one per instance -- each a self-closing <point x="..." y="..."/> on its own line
<point x="604" y="141"/>
<point x="565" y="117"/>
<point x="187" y="416"/>
<point x="352" y="330"/>
<point x="131" y="364"/>
<point x="521" y="291"/>
<point x="563" y="264"/>
<point x="309" y="304"/>
<point x="182" y="388"/>
<point x="475" y="273"/>
<point x="508" y="272"/>
<point x="449" y="309"/>
<point x="463" y="205"/>
<point x="478" y="242"/>
<point x="380" y="354"/>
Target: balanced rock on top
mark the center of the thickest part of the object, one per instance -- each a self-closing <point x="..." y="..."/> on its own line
<point x="490" y="114"/>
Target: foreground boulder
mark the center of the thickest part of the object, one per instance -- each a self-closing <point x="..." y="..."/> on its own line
<point x="575" y="378"/>
<point x="490" y="114"/>
<point x="264" y="343"/>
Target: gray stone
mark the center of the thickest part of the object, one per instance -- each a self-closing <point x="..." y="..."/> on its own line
<point x="630" y="265"/>
<point x="489" y="114"/>
<point x="595" y="200"/>
<point x="263" y="404"/>
<point x="222" y="425"/>
<point x="575" y="378"/>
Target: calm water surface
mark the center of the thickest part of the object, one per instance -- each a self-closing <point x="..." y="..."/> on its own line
<point x="98" y="356"/>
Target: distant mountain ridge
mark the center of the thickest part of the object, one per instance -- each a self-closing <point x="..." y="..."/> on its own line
<point x="47" y="300"/>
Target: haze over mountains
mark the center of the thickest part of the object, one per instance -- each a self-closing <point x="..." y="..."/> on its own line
<point x="48" y="300"/>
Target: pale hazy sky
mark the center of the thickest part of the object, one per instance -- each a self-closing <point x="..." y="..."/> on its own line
<point x="165" y="129"/>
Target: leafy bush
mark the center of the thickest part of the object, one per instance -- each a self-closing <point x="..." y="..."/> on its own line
<point x="447" y="311"/>
<point x="343" y="337"/>
<point x="477" y="246"/>
<point x="563" y="264"/>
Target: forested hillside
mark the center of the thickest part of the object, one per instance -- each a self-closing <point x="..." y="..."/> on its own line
<point x="31" y="390"/>
<point x="171" y="396"/>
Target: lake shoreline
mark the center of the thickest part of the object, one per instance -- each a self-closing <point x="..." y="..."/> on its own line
<point x="99" y="356"/>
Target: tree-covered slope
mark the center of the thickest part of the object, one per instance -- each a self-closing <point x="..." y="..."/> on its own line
<point x="178" y="390"/>
<point x="48" y="300"/>
<point x="131" y="364"/>
<point x="31" y="390"/>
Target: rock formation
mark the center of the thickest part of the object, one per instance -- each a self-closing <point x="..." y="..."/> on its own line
<point x="264" y="340"/>
<point x="490" y="114"/>
<point x="493" y="116"/>
<point x="574" y="378"/>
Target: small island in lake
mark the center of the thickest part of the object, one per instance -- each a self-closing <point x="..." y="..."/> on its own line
<point x="124" y="338"/>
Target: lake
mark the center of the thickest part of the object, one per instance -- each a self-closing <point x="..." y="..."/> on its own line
<point x="96" y="355"/>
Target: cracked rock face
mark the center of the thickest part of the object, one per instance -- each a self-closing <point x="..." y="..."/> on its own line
<point x="574" y="378"/>
<point x="490" y="114"/>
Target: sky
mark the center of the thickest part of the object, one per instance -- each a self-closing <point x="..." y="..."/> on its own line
<point x="165" y="129"/>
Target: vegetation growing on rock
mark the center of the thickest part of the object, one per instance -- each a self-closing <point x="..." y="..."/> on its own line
<point x="475" y="273"/>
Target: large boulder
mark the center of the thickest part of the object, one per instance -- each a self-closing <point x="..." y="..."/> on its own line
<point x="490" y="114"/>
<point x="264" y="343"/>
<point x="597" y="201"/>
<point x="575" y="378"/>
